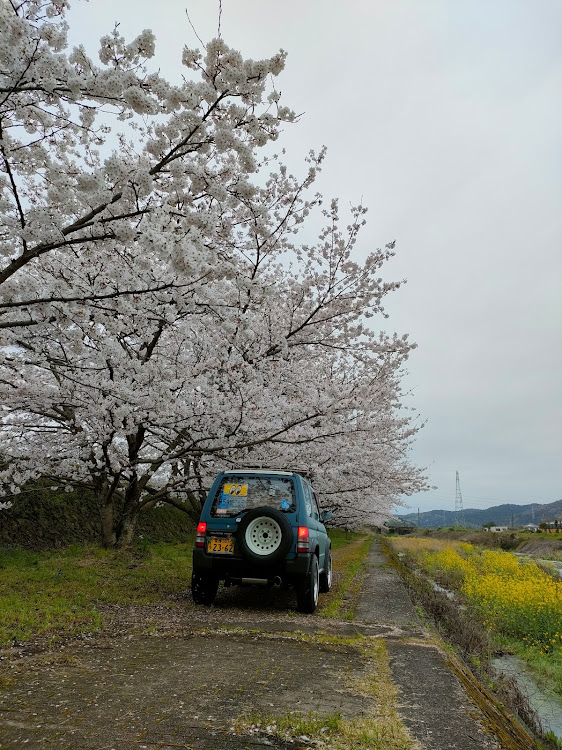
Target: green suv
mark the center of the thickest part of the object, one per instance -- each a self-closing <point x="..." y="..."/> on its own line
<point x="260" y="526"/>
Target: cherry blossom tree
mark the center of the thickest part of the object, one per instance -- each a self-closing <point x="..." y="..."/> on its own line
<point x="161" y="318"/>
<point x="73" y="187"/>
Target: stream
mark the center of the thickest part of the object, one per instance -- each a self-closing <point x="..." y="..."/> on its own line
<point x="547" y="707"/>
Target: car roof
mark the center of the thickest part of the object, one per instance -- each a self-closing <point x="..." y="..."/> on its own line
<point x="259" y="471"/>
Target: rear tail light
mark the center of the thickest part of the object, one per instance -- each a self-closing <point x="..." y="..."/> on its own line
<point x="303" y="539"/>
<point x="200" y="535"/>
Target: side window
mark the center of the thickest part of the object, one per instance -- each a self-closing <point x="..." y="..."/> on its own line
<point x="315" y="511"/>
<point x="308" y="501"/>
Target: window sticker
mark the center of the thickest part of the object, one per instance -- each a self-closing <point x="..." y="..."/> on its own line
<point x="223" y="504"/>
<point x="236" y="489"/>
<point x="285" y="505"/>
<point x="237" y="503"/>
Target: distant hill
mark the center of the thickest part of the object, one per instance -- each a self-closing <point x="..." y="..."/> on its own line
<point x="501" y="515"/>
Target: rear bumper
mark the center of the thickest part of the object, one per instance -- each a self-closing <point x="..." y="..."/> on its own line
<point x="233" y="567"/>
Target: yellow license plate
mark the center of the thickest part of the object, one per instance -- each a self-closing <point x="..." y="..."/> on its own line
<point x="224" y="544"/>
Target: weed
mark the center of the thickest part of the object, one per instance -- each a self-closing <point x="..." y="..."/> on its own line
<point x="554" y="741"/>
<point x="420" y="612"/>
<point x="381" y="730"/>
<point x="349" y="563"/>
<point x="62" y="591"/>
<point x="59" y="591"/>
<point x="510" y="604"/>
<point x="510" y="596"/>
<point x="292" y="724"/>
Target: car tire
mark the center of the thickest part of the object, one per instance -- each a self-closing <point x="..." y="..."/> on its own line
<point x="308" y="588"/>
<point x="264" y="536"/>
<point x="326" y="574"/>
<point x="204" y="587"/>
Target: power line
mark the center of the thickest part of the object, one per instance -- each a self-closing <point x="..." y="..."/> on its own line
<point x="459" y="512"/>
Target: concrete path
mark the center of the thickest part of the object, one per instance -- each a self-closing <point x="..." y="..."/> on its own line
<point x="153" y="693"/>
<point x="433" y="704"/>
<point x="186" y="688"/>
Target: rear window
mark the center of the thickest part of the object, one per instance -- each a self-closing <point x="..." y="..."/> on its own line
<point x="239" y="493"/>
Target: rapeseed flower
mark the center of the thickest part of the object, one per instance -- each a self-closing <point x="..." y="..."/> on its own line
<point x="512" y="596"/>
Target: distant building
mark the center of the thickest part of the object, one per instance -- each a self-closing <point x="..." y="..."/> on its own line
<point x="496" y="528"/>
<point x="395" y="526"/>
<point x="552" y="527"/>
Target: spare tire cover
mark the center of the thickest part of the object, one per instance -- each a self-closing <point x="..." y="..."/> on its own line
<point x="264" y="536"/>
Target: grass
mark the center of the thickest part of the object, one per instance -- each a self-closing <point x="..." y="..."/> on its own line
<point x="62" y="591"/>
<point x="379" y="728"/>
<point x="349" y="552"/>
<point x="340" y="538"/>
<point x="292" y="724"/>
<point x="57" y="591"/>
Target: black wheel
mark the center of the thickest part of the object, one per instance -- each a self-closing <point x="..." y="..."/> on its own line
<point x="307" y="589"/>
<point x="264" y="536"/>
<point x="203" y="587"/>
<point x="326" y="574"/>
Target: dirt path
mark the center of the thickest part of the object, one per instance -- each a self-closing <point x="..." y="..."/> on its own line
<point x="187" y="684"/>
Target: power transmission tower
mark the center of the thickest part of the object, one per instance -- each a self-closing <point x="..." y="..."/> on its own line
<point x="459" y="511"/>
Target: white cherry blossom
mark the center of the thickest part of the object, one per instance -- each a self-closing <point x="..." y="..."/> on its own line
<point x="159" y="318"/>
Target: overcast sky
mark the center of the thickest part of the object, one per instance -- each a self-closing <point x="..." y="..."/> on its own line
<point x="444" y="118"/>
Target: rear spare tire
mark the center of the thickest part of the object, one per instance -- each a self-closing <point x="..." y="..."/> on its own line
<point x="264" y="536"/>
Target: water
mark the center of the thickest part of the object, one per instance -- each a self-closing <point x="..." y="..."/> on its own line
<point x="449" y="594"/>
<point x="547" y="706"/>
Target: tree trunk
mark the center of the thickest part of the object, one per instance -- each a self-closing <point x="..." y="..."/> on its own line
<point x="108" y="537"/>
<point x="105" y="492"/>
<point x="126" y="530"/>
<point x="129" y="516"/>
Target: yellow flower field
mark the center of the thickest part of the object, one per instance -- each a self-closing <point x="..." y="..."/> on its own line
<point x="512" y="596"/>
